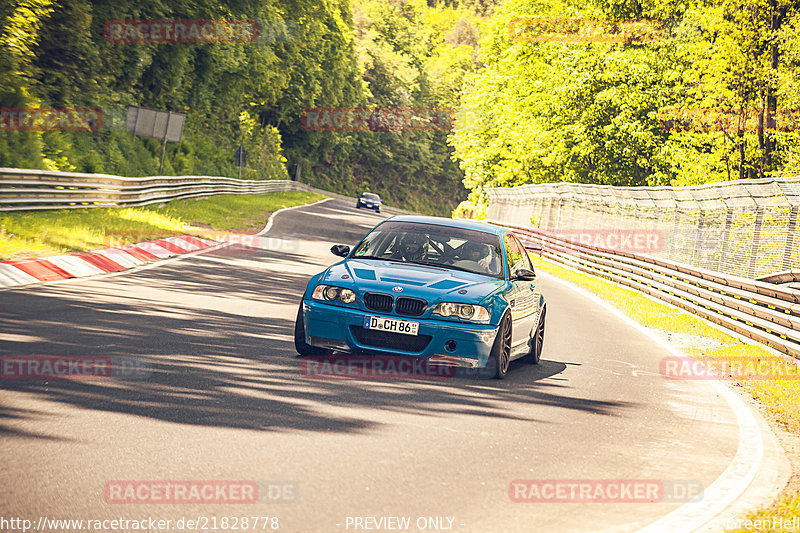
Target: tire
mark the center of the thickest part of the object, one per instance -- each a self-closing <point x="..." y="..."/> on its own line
<point x="500" y="356"/>
<point x="378" y="210"/>
<point x="300" y="344"/>
<point x="537" y="341"/>
<point x="358" y="206"/>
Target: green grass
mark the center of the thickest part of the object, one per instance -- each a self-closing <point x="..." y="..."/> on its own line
<point x="28" y="234"/>
<point x="701" y="340"/>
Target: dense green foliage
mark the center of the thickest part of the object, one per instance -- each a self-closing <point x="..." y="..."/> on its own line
<point x="409" y="55"/>
<point x="689" y="104"/>
<point x="688" y="99"/>
<point x="46" y="233"/>
<point x="309" y="54"/>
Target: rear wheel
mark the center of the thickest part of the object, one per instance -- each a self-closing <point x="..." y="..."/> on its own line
<point x="500" y="355"/>
<point x="537" y="341"/>
<point x="300" y="344"/>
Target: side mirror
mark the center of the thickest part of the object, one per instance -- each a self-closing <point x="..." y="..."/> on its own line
<point x="340" y="249"/>
<point x="524" y="275"/>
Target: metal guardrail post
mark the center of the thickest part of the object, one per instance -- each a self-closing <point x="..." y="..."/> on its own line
<point x="726" y="234"/>
<point x="559" y="203"/>
<point x="675" y="228"/>
<point x="790" y="229"/>
<point x="751" y="271"/>
<point x="765" y="312"/>
<point x="698" y="237"/>
<point x="27" y="190"/>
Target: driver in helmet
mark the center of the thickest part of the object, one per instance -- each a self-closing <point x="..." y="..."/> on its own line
<point x="481" y="254"/>
<point x="412" y="247"/>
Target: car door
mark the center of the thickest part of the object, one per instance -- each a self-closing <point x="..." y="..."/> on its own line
<point x="523" y="298"/>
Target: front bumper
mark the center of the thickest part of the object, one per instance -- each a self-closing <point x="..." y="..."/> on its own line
<point x="451" y="343"/>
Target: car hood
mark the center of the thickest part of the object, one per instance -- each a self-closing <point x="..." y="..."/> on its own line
<point x="417" y="281"/>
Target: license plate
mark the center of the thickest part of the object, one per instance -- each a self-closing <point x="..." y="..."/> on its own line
<point x="390" y="324"/>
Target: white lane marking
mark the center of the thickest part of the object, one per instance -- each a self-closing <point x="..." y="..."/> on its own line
<point x="742" y="469"/>
<point x="172" y="259"/>
<point x="635" y="370"/>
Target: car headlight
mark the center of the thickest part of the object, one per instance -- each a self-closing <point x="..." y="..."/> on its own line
<point x="465" y="311"/>
<point x="327" y="292"/>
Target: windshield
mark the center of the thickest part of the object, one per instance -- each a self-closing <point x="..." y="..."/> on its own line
<point x="434" y="245"/>
<point x="370" y="196"/>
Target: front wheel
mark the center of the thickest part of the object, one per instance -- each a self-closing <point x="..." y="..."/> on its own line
<point x="500" y="355"/>
<point x="300" y="344"/>
<point x="537" y="341"/>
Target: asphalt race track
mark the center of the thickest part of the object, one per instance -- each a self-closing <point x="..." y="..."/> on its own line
<point x="217" y="394"/>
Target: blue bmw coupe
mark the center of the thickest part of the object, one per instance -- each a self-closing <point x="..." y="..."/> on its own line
<point x="452" y="292"/>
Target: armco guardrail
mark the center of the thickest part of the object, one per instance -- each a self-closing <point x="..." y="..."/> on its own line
<point x="743" y="228"/>
<point x="22" y="189"/>
<point x="25" y="190"/>
<point x="764" y="312"/>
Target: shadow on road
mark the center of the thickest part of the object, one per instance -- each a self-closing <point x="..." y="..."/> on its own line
<point x="212" y="368"/>
<point x="209" y="359"/>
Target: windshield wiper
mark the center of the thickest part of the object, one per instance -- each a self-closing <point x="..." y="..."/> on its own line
<point x="372" y="257"/>
<point x="465" y="269"/>
<point x="446" y="267"/>
<point x="428" y="263"/>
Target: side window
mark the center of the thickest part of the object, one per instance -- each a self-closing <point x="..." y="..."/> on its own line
<point x="514" y="255"/>
<point x="526" y="259"/>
